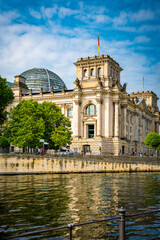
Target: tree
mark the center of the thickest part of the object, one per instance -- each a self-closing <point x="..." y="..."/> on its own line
<point x="152" y="140"/>
<point x="30" y="121"/>
<point x="6" y="97"/>
<point x="60" y="137"/>
<point x="57" y="127"/>
<point x="4" y="143"/>
<point x="25" y="125"/>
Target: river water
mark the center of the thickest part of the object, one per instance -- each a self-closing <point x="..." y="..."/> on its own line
<point x="35" y="202"/>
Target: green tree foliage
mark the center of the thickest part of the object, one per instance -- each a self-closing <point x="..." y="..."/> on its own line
<point x="152" y="140"/>
<point x="30" y="121"/>
<point x="6" y="97"/>
<point x="60" y="136"/>
<point x="55" y="122"/>
<point x="4" y="143"/>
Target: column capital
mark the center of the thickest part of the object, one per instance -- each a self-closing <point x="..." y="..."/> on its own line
<point x="99" y="100"/>
<point x="63" y="105"/>
<point x="78" y="102"/>
<point x="116" y="101"/>
<point x="124" y="105"/>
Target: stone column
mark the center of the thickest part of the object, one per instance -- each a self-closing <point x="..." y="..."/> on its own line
<point x="157" y="127"/>
<point x="108" y="118"/>
<point x="99" y="117"/>
<point x="143" y="128"/>
<point x="135" y="127"/>
<point x="95" y="71"/>
<point x="85" y="130"/>
<point x="124" y="121"/>
<point x="81" y="73"/>
<point x="77" y="119"/>
<point x="107" y="72"/>
<point x="63" y="109"/>
<point x="116" y="126"/>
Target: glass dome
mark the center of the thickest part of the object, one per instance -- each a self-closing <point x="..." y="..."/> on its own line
<point x="38" y="78"/>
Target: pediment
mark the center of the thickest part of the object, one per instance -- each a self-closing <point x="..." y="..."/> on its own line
<point x="89" y="118"/>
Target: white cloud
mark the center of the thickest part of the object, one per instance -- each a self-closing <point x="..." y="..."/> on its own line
<point x="65" y="12"/>
<point x="7" y="17"/>
<point x="142" y="39"/>
<point x="149" y="28"/>
<point x="141" y="15"/>
<point x="121" y="20"/>
<point x="35" y="14"/>
<point x="33" y="46"/>
<point x="49" y="12"/>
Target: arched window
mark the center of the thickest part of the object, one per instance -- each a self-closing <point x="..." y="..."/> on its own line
<point x="99" y="71"/>
<point x="85" y="72"/>
<point x="92" y="71"/>
<point x="91" y="110"/>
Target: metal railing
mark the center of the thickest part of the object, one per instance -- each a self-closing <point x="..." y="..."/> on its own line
<point x="122" y="219"/>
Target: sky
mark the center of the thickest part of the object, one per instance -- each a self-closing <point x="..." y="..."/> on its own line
<point x="54" y="33"/>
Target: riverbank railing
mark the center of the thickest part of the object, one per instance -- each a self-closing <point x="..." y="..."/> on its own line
<point x="121" y="217"/>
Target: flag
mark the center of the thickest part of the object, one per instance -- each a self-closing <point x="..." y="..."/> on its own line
<point x="98" y="46"/>
<point x="143" y="83"/>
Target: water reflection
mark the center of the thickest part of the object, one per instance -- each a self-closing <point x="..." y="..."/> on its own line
<point x="33" y="202"/>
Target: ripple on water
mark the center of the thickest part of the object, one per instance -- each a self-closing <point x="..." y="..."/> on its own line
<point x="34" y="202"/>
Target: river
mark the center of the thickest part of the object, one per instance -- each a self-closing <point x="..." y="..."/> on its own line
<point x="35" y="202"/>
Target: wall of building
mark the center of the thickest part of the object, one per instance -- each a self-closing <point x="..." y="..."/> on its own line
<point x="13" y="164"/>
<point x="121" y="122"/>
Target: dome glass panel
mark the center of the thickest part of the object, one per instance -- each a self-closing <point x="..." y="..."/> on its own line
<point x="38" y="78"/>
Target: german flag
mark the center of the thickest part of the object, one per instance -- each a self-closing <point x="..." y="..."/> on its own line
<point x="98" y="46"/>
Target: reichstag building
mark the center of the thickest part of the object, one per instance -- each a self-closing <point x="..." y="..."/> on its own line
<point x="105" y="119"/>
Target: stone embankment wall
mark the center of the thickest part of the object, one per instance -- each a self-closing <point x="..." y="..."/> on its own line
<point x="29" y="164"/>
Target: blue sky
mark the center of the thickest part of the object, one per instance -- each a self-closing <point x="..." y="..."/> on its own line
<point x="53" y="34"/>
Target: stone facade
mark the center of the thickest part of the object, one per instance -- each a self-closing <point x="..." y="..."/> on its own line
<point x="105" y="119"/>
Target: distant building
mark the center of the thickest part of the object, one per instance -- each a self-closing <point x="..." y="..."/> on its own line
<point x="104" y="117"/>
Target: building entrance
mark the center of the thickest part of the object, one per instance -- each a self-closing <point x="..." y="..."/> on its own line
<point x="122" y="149"/>
<point x="86" y="149"/>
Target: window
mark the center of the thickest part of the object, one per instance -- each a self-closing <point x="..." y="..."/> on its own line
<point x="91" y="110"/>
<point x="85" y="72"/>
<point x="99" y="71"/>
<point x="92" y="72"/>
<point x="127" y="117"/>
<point x="90" y="131"/>
<point x="69" y="112"/>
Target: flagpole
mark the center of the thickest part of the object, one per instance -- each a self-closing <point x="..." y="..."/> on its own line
<point x="143" y="83"/>
<point x="98" y="46"/>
